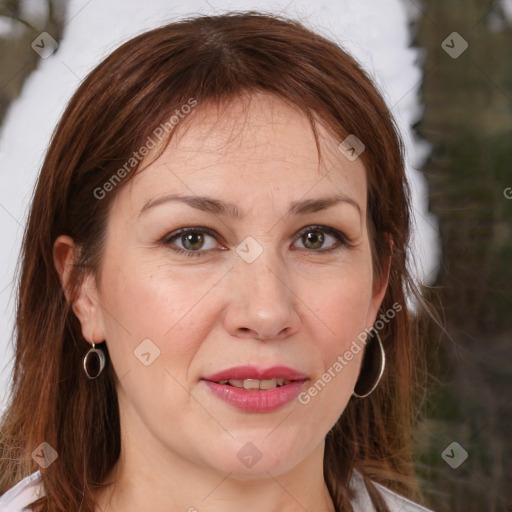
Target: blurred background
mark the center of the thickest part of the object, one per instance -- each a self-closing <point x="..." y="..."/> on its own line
<point x="468" y="121"/>
<point x="450" y="80"/>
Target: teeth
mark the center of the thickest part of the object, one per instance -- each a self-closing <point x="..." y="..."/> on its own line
<point x="255" y="383"/>
<point x="252" y="384"/>
<point x="266" y="384"/>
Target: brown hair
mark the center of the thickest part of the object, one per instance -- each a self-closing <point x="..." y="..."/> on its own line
<point x="213" y="59"/>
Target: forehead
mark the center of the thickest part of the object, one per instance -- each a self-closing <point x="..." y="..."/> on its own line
<point x="248" y="147"/>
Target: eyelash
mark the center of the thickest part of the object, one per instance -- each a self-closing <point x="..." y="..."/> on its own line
<point x="342" y="239"/>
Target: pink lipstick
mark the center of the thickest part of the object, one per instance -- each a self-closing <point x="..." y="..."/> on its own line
<point x="254" y="389"/>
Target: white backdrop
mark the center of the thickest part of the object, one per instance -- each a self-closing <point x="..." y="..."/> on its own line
<point x="375" y="32"/>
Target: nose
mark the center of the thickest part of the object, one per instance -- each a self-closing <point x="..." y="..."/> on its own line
<point x="262" y="303"/>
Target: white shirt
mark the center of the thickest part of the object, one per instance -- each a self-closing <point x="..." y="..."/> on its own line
<point x="31" y="488"/>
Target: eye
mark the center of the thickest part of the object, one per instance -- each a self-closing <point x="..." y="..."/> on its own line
<point x="314" y="238"/>
<point x="194" y="240"/>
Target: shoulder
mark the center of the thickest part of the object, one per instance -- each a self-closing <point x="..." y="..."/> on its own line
<point x="394" y="501"/>
<point x="24" y="493"/>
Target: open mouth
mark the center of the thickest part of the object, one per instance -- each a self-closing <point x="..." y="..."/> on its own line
<point x="254" y="389"/>
<point x="256" y="384"/>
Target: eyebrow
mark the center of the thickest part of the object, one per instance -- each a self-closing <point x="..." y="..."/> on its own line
<point x="223" y="208"/>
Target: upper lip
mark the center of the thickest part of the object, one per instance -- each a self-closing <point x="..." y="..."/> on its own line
<point x="253" y="372"/>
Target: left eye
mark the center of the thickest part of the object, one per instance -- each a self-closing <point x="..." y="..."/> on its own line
<point x="313" y="238"/>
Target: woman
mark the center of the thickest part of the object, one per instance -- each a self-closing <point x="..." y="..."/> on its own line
<point x="211" y="312"/>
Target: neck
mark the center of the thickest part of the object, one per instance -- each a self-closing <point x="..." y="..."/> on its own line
<point x="162" y="482"/>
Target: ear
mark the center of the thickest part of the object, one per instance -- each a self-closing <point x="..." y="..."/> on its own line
<point x="86" y="306"/>
<point x="380" y="284"/>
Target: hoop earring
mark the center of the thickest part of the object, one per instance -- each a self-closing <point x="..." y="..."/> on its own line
<point x="381" y="370"/>
<point x="94" y="360"/>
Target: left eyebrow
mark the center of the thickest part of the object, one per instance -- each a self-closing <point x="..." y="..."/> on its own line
<point x="223" y="208"/>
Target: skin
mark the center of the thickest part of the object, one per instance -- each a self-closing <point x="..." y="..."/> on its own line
<point x="295" y="305"/>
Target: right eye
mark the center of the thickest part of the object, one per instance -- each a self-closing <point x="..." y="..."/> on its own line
<point x="192" y="240"/>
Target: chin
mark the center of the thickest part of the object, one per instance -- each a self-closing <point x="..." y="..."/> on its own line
<point x="254" y="458"/>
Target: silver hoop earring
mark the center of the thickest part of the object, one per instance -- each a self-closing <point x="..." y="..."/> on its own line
<point x="94" y="362"/>
<point x="362" y="393"/>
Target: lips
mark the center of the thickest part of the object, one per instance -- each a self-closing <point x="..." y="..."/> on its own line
<point x="256" y="383"/>
<point x="253" y="389"/>
<point x="255" y="373"/>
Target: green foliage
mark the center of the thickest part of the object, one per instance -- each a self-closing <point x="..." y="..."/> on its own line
<point x="468" y="119"/>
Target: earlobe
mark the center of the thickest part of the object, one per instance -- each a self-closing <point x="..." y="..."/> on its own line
<point x="85" y="305"/>
<point x="387" y="264"/>
<point x="87" y="309"/>
<point x="381" y="284"/>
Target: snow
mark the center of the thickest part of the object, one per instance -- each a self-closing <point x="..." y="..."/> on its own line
<point x="500" y="16"/>
<point x="375" y="32"/>
<point x="7" y="26"/>
<point x="506" y="6"/>
<point x="33" y="10"/>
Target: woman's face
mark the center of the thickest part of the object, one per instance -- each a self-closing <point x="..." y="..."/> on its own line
<point x="265" y="288"/>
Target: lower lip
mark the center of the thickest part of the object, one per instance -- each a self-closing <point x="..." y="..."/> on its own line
<point x="257" y="401"/>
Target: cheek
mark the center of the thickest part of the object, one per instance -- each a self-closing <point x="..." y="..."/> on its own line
<point x="341" y="311"/>
<point x="343" y="304"/>
<point x="143" y="300"/>
<point x="153" y="332"/>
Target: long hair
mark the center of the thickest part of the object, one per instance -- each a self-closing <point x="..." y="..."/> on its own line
<point x="213" y="59"/>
